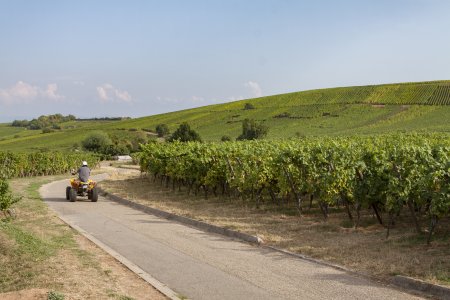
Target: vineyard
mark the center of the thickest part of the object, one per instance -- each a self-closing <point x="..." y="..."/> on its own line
<point x="388" y="174"/>
<point x="421" y="93"/>
<point x="41" y="163"/>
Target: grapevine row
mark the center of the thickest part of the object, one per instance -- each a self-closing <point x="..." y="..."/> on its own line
<point x="41" y="163"/>
<point x="386" y="174"/>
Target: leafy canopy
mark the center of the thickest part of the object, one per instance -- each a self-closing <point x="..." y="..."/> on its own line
<point x="252" y="130"/>
<point x="184" y="133"/>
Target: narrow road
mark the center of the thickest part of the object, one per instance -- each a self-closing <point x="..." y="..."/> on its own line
<point x="201" y="265"/>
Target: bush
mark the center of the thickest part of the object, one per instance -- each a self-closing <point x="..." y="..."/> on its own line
<point x="252" y="130"/>
<point x="47" y="130"/>
<point x="184" y="133"/>
<point x="248" y="106"/>
<point x="6" y="197"/>
<point x="162" y="130"/>
<point x="96" y="141"/>
<point x="113" y="150"/>
<point x="225" y="138"/>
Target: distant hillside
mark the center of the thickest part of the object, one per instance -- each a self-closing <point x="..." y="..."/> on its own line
<point x="420" y="106"/>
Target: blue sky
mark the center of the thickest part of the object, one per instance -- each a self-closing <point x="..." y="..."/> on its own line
<point x="137" y="58"/>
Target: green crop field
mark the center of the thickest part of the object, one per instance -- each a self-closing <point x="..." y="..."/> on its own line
<point x="404" y="107"/>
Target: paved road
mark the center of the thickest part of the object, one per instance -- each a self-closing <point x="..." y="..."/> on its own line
<point x="201" y="265"/>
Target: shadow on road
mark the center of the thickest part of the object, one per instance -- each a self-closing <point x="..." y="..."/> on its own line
<point x="64" y="200"/>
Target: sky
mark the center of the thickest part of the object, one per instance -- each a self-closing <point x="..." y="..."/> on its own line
<point x="142" y="57"/>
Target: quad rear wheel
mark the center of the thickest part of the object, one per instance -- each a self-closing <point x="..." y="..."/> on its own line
<point x="73" y="195"/>
<point x="68" y="192"/>
<point x="94" y="194"/>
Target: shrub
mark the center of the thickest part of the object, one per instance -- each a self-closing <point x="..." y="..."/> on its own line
<point x="47" y="130"/>
<point x="184" y="133"/>
<point x="252" y="130"/>
<point x="248" y="106"/>
<point x="96" y="141"/>
<point x="6" y="197"/>
<point x="162" y="130"/>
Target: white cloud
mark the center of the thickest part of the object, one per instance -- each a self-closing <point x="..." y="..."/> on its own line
<point x="23" y="92"/>
<point x="108" y="93"/>
<point x="254" y="88"/>
<point x="52" y="92"/>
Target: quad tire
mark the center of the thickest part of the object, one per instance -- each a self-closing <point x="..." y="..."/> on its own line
<point x="73" y="195"/>
<point x="94" y="194"/>
<point x="68" y="192"/>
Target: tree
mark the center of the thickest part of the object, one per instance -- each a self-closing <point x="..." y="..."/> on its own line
<point x="162" y="130"/>
<point x="184" y="133"/>
<point x="96" y="141"/>
<point x="248" y="106"/>
<point x="252" y="130"/>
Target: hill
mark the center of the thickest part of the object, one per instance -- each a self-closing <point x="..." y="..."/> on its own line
<point x="419" y="106"/>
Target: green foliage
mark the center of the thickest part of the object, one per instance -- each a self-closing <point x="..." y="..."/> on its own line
<point x="225" y="138"/>
<point x="384" y="172"/>
<point x="368" y="110"/>
<point x="96" y="142"/>
<point x="252" y="130"/>
<point x="13" y="164"/>
<point x="52" y="295"/>
<point x="184" y="133"/>
<point x="6" y="197"/>
<point x="43" y="121"/>
<point x="248" y="106"/>
<point x="47" y="130"/>
<point x="162" y="130"/>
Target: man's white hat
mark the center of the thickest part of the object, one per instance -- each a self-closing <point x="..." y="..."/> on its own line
<point x="84" y="163"/>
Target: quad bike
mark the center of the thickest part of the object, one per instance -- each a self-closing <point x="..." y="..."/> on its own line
<point x="79" y="188"/>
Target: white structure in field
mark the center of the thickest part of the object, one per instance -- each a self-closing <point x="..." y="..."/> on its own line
<point x="124" y="158"/>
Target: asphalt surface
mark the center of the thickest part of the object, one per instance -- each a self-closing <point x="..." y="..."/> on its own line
<point x="201" y="265"/>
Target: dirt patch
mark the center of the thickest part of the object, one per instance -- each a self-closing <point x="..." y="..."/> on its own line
<point x="365" y="249"/>
<point x="31" y="294"/>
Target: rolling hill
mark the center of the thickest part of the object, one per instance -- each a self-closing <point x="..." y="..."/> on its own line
<point x="374" y="109"/>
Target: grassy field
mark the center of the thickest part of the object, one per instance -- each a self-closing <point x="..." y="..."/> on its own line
<point x="422" y="107"/>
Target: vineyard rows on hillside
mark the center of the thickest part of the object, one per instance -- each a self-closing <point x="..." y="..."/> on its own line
<point x="42" y="163"/>
<point x="425" y="93"/>
<point x="390" y="174"/>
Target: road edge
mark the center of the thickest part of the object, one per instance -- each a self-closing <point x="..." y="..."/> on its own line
<point x="407" y="284"/>
<point x="161" y="287"/>
<point x="184" y="220"/>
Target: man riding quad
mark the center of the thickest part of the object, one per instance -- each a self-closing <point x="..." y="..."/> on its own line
<point x="82" y="185"/>
<point x="84" y="172"/>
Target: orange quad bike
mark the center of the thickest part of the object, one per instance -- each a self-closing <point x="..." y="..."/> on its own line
<point x="79" y="188"/>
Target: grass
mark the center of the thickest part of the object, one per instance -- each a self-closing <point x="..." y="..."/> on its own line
<point x="38" y="252"/>
<point x="365" y="249"/>
<point x="335" y="111"/>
